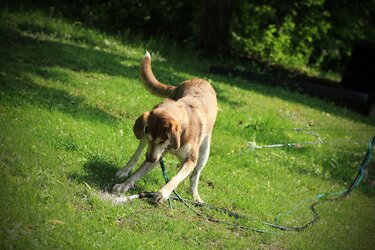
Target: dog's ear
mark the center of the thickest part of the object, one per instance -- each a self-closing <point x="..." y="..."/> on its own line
<point x="174" y="134"/>
<point x="140" y="125"/>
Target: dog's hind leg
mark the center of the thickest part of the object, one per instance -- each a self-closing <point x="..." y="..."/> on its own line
<point x="204" y="152"/>
<point x="129" y="183"/>
<point x="133" y="160"/>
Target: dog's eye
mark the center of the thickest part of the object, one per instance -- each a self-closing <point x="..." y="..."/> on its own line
<point x="161" y="142"/>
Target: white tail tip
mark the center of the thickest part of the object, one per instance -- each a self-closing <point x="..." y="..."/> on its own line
<point x="147" y="54"/>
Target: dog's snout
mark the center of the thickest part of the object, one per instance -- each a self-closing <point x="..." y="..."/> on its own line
<point x="151" y="158"/>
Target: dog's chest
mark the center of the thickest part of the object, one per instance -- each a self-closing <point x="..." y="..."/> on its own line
<point x="183" y="152"/>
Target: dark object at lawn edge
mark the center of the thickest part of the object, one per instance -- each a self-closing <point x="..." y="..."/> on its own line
<point x="355" y="100"/>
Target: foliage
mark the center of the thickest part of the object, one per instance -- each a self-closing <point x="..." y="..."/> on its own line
<point x="68" y="99"/>
<point x="300" y="33"/>
<point x="293" y="34"/>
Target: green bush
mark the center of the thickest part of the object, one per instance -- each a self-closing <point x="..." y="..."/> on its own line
<point x="295" y="34"/>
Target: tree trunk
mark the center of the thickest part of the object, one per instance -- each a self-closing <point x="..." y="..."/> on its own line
<point x="213" y="36"/>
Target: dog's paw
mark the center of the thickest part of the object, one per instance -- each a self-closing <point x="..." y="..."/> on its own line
<point x="198" y="199"/>
<point x="123" y="173"/>
<point x="160" y="198"/>
<point x="122" y="187"/>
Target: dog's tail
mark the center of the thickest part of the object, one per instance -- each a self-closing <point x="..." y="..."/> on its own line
<point x="149" y="80"/>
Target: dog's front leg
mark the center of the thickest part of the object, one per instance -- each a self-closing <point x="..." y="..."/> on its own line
<point x="129" y="183"/>
<point x="133" y="160"/>
<point x="184" y="172"/>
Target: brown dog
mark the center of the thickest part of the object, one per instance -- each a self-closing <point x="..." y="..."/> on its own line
<point x="182" y="125"/>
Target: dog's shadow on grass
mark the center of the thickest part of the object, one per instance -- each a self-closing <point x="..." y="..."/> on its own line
<point x="98" y="173"/>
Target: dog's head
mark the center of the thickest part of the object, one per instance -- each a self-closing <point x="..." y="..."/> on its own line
<point x="161" y="130"/>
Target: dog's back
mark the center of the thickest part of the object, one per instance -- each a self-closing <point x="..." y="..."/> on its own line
<point x="196" y="94"/>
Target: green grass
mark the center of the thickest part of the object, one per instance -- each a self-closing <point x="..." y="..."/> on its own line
<point x="68" y="98"/>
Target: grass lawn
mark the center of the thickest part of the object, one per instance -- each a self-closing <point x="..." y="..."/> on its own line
<point x="68" y="98"/>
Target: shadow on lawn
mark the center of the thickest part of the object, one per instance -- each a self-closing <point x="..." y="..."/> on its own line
<point x="98" y="173"/>
<point x="24" y="56"/>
